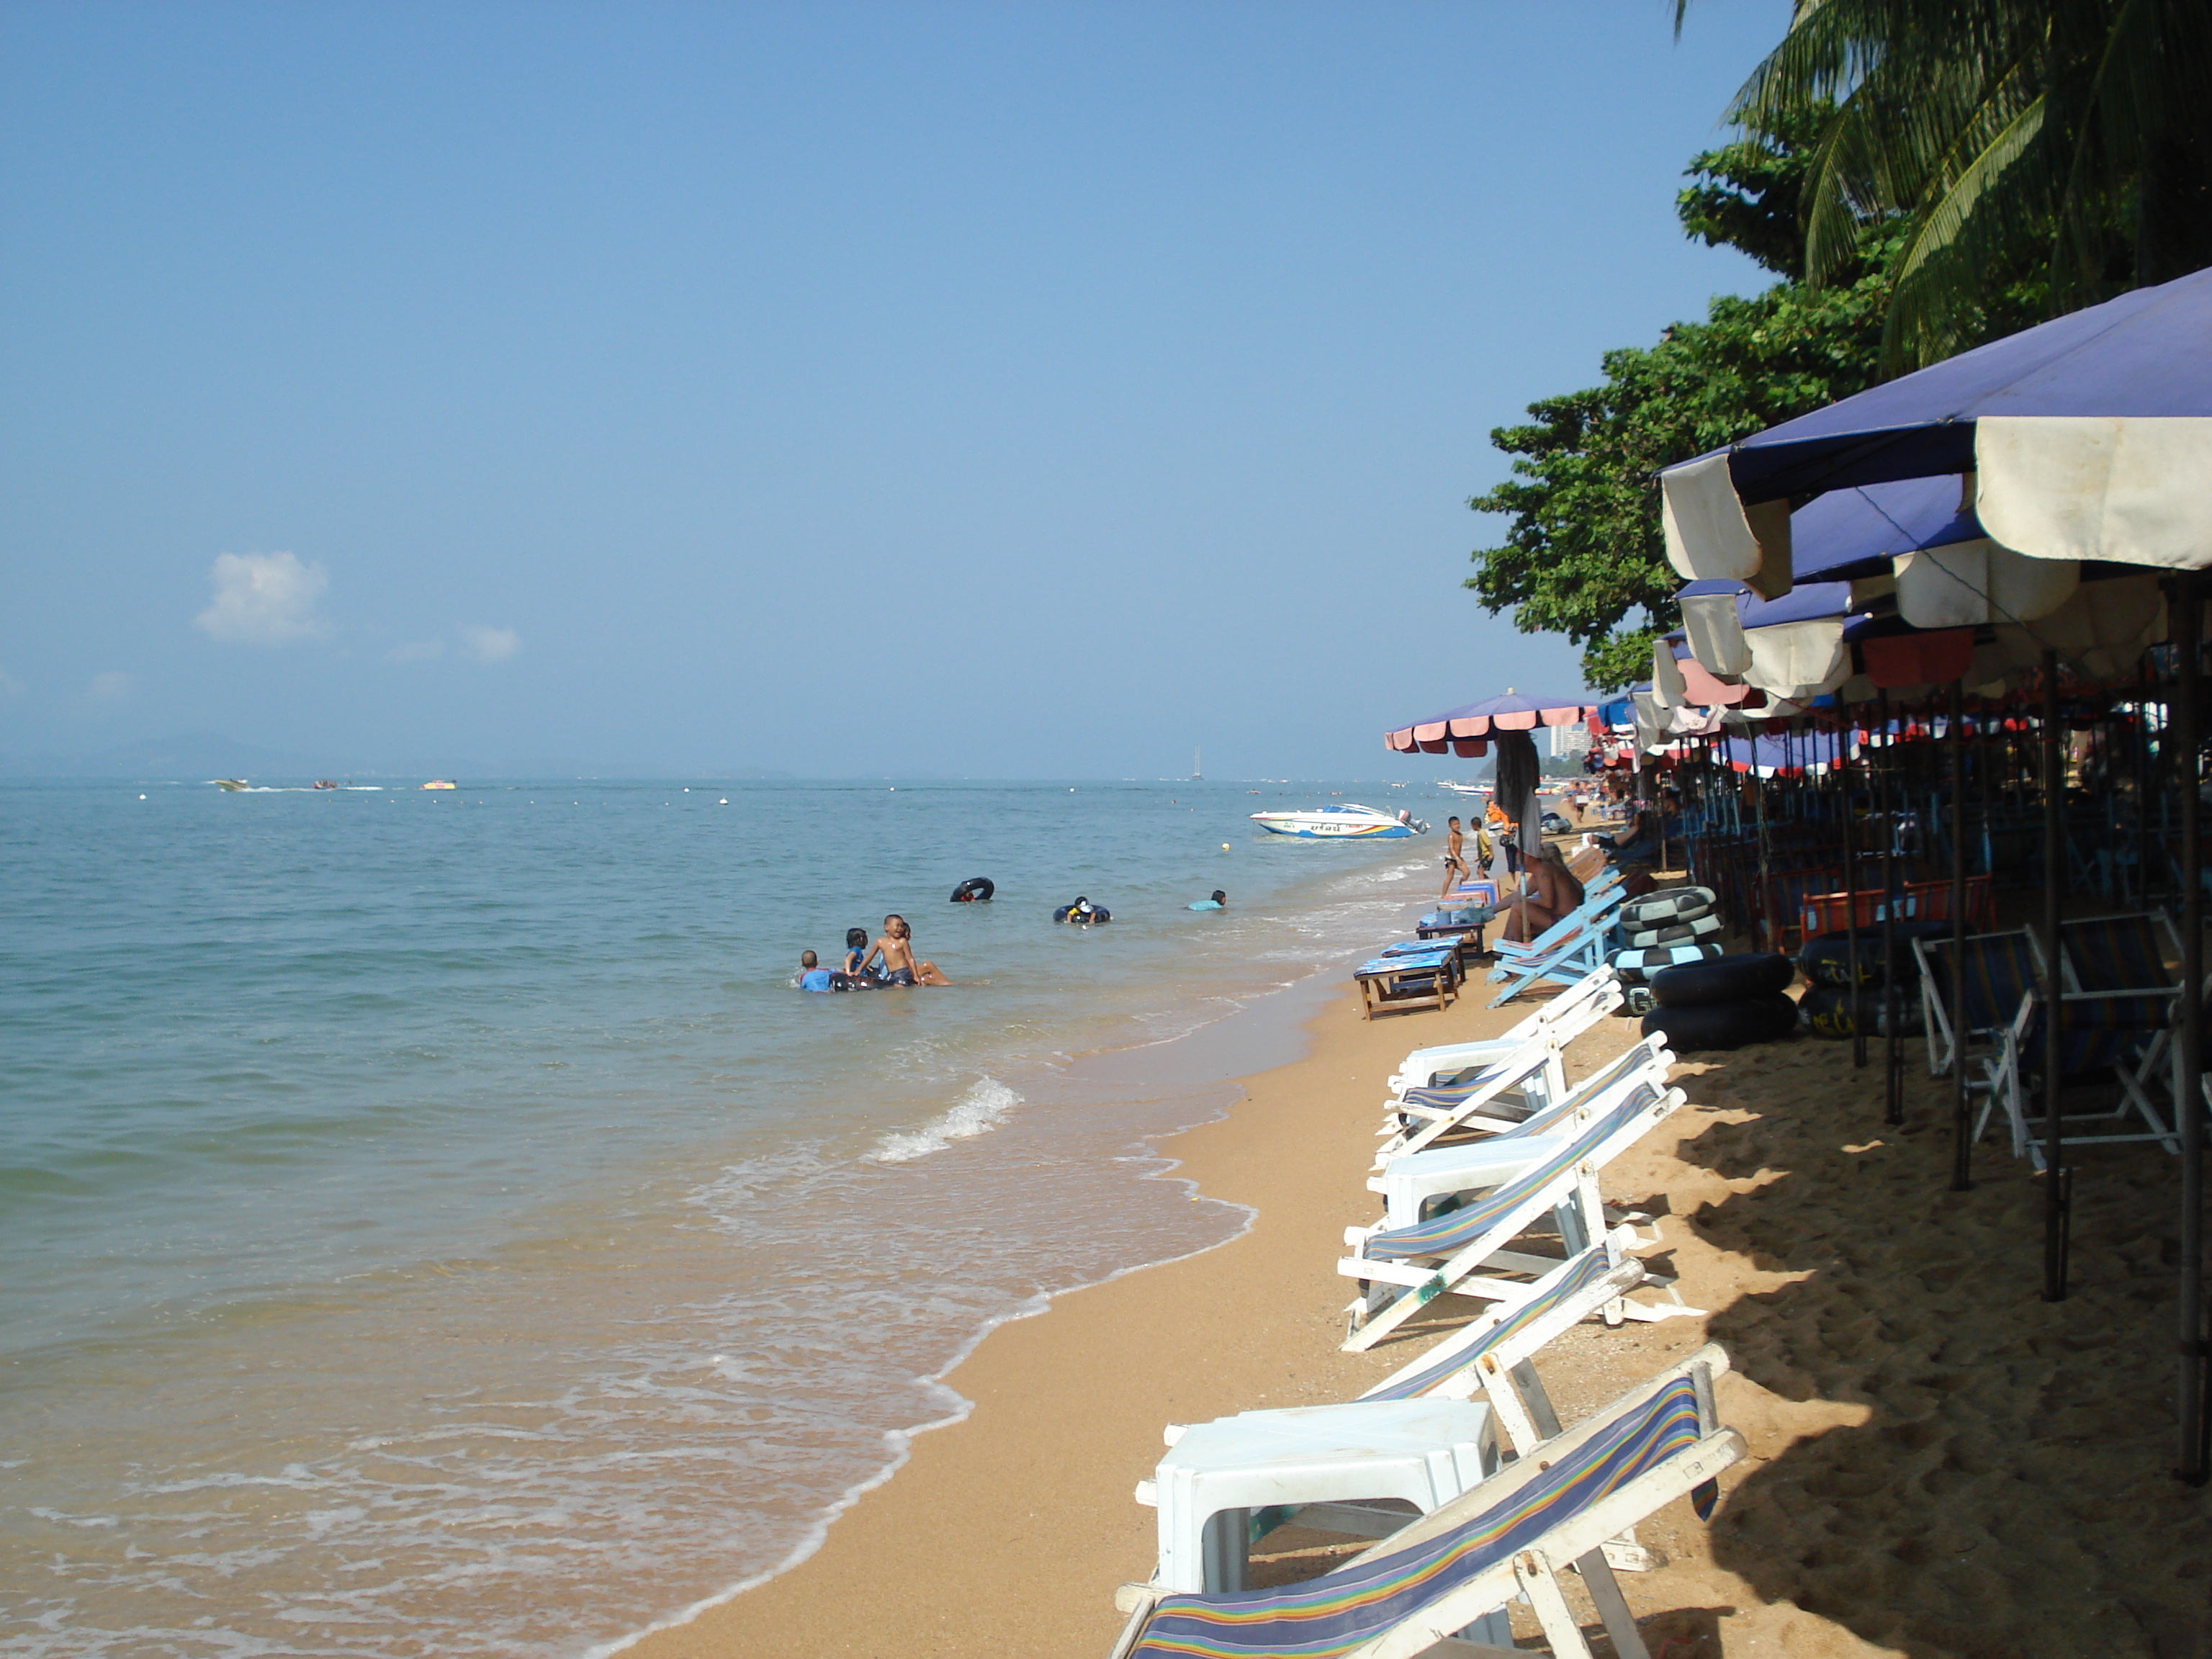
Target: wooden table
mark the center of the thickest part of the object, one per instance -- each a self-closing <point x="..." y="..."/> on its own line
<point x="1396" y="984"/>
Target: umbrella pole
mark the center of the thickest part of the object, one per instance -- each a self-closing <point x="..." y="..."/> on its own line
<point x="1962" y="1127"/>
<point x="1851" y="896"/>
<point x="1893" y="1069"/>
<point x="2055" y="1175"/>
<point x="2189" y="1088"/>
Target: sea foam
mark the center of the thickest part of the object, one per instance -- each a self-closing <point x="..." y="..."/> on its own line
<point x="982" y="1108"/>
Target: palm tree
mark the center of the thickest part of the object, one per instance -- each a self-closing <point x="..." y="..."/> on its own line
<point x="2065" y="144"/>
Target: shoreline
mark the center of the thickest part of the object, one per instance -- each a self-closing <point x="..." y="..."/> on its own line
<point x="1049" y="1505"/>
<point x="1938" y="1463"/>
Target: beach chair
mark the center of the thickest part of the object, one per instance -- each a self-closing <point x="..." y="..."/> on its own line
<point x="1569" y="1013"/>
<point x="1566" y="951"/>
<point x="1369" y="1467"/>
<point x="2099" y="1033"/>
<point x="1414" y="1175"/>
<point x="2001" y="970"/>
<point x="1445" y="1578"/>
<point x="1501" y="1090"/>
<point x="1401" y="1270"/>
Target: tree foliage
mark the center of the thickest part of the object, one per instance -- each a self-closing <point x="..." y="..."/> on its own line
<point x="2066" y="142"/>
<point x="1583" y="555"/>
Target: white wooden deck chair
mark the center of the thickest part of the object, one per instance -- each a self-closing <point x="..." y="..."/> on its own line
<point x="1569" y="949"/>
<point x="2001" y="968"/>
<point x="2128" y="952"/>
<point x="1368" y="1467"/>
<point x="1507" y="1144"/>
<point x="1565" y="1018"/>
<point x="1506" y="1092"/>
<point x="2099" y="1033"/>
<point x="1468" y="1250"/>
<point x="1447" y="1577"/>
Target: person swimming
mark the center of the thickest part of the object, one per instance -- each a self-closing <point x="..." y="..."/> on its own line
<point x="1218" y="901"/>
<point x="1083" y="913"/>
<point x="813" y="976"/>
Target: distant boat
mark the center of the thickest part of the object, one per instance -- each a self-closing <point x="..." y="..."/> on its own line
<point x="328" y="783"/>
<point x="1463" y="788"/>
<point x="1346" y="823"/>
<point x="1196" y="776"/>
<point x="442" y="783"/>
<point x="232" y="784"/>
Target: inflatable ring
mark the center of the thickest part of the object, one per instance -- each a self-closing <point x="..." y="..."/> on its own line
<point x="1723" y="1024"/>
<point x="1673" y="904"/>
<point x="1634" y="965"/>
<point x="1827" y="957"/>
<point x="1098" y="913"/>
<point x="1830" y="1010"/>
<point x="973" y="891"/>
<point x="1724" y="979"/>
<point x="1676" y="933"/>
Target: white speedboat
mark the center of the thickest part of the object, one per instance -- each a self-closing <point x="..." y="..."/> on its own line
<point x="1344" y="823"/>
<point x="1463" y="788"/>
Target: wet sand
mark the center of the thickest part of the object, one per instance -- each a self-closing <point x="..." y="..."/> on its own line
<point x="1942" y="1463"/>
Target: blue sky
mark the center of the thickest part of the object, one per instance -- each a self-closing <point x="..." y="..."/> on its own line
<point x="1005" y="391"/>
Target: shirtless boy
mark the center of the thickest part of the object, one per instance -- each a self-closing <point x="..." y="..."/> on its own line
<point x="1455" y="858"/>
<point x="896" y="947"/>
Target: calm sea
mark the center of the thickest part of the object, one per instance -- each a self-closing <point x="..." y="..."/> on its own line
<point x="434" y="1225"/>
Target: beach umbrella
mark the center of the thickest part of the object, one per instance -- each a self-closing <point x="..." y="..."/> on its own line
<point x="1475" y="722"/>
<point x="2086" y="438"/>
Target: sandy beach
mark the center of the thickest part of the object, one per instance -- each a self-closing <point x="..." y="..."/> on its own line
<point x="1941" y="1463"/>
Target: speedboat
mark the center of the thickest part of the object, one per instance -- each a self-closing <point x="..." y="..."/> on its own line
<point x="233" y="785"/>
<point x="1463" y="788"/>
<point x="1346" y="823"/>
<point x="442" y="783"/>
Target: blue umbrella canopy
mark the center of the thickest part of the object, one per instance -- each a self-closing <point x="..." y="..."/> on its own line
<point x="2085" y="437"/>
<point x="2147" y="354"/>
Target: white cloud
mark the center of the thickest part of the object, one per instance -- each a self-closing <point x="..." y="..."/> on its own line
<point x="420" y="651"/>
<point x="111" y="687"/>
<point x="264" y="599"/>
<point x="490" y="644"/>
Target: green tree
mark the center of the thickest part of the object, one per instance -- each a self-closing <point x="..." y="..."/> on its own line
<point x="2066" y="143"/>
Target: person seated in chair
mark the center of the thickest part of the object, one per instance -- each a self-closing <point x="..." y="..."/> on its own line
<point x="1550" y="893"/>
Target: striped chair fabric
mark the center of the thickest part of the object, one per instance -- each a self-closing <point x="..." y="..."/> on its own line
<point x="2000" y="973"/>
<point x="2095" y="1032"/>
<point x="1454" y="1230"/>
<point x="1560" y="1286"/>
<point x="2115" y="953"/>
<point x="1338" y="1612"/>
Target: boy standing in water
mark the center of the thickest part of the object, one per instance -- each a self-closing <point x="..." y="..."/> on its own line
<point x="1455" y="857"/>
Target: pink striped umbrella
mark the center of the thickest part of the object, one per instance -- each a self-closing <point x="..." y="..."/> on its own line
<point x="1466" y="731"/>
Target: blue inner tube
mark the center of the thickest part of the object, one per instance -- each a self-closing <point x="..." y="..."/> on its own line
<point x="973" y="891"/>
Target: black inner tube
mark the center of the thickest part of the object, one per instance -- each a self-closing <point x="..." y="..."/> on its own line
<point x="973" y="891"/>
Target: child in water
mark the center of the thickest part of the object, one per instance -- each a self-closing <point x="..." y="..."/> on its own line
<point x="812" y="977"/>
<point x="1218" y="901"/>
<point x="856" y="953"/>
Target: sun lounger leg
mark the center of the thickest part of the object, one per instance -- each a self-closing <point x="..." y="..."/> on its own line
<point x="1561" y="1628"/>
<point x="1612" y="1606"/>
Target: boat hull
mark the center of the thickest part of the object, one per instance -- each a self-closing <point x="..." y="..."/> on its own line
<point x="1323" y="826"/>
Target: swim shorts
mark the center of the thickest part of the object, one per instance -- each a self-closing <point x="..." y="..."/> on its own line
<point x="898" y="976"/>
